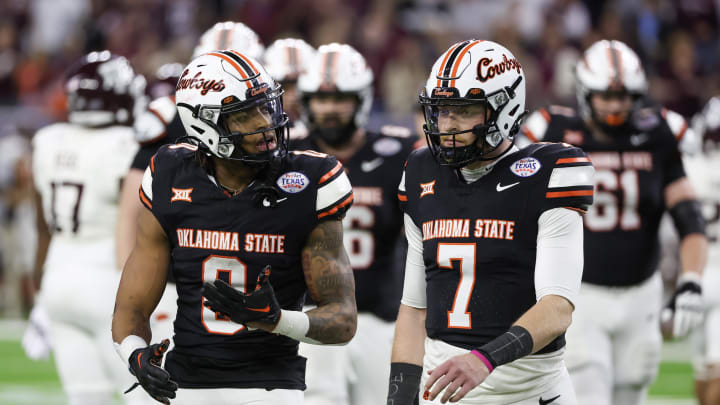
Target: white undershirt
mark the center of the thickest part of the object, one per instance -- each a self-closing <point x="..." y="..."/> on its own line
<point x="558" y="265"/>
<point x="473" y="175"/>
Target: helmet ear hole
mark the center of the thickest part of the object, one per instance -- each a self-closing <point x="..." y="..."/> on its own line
<point x="197" y="129"/>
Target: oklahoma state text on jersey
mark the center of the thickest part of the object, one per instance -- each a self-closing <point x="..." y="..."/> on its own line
<point x="479" y="239"/>
<point x="621" y="243"/>
<point x="213" y="235"/>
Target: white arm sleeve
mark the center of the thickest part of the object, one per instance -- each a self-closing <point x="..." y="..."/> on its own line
<point x="414" y="286"/>
<point x="559" y="262"/>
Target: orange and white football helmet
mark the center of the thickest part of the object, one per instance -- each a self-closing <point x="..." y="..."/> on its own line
<point x="474" y="72"/>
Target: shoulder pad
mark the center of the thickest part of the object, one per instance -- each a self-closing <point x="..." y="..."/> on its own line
<point x="558" y="153"/>
<point x="677" y="124"/>
<point x="152" y="124"/>
<point x="571" y="176"/>
<point x="170" y="156"/>
<point x="396" y="131"/>
<point x="310" y="153"/>
<point x="536" y="125"/>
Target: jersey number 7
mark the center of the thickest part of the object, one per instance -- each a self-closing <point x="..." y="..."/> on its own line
<point x="458" y="317"/>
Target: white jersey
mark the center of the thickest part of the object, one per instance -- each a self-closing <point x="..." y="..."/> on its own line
<point x="703" y="171"/>
<point x="78" y="171"/>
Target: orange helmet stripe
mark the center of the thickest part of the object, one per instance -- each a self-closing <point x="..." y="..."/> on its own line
<point x="233" y="64"/>
<point x="442" y="65"/>
<point x="243" y="57"/>
<point x="459" y="59"/>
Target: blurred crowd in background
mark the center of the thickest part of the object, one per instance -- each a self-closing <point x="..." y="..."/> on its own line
<point x="39" y="39"/>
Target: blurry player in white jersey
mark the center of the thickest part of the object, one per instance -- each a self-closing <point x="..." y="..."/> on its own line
<point x="286" y="59"/>
<point x="703" y="169"/>
<point x="78" y="168"/>
<point x="614" y="344"/>
<point x="159" y="125"/>
<point x="336" y="96"/>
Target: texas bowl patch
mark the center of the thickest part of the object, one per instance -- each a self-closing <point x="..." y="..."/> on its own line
<point x="293" y="182"/>
<point x="525" y="167"/>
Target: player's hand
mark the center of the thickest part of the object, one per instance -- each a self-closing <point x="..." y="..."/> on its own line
<point x="456" y="377"/>
<point x="259" y="306"/>
<point x="685" y="309"/>
<point x="36" y="339"/>
<point x="145" y="365"/>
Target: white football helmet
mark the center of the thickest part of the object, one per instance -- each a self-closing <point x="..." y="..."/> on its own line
<point x="474" y="72"/>
<point x="219" y="84"/>
<point x="286" y="59"/>
<point x="609" y="67"/>
<point x="337" y="69"/>
<point x="230" y="35"/>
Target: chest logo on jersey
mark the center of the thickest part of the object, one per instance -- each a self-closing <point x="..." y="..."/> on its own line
<point x="293" y="182"/>
<point x="204" y="239"/>
<point x="181" y="194"/>
<point x="427" y="188"/>
<point x="460" y="228"/>
<point x="525" y="167"/>
<point x="230" y="241"/>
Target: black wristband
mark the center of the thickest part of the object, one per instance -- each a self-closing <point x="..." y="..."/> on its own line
<point x="510" y="346"/>
<point x="404" y="383"/>
<point x="688" y="218"/>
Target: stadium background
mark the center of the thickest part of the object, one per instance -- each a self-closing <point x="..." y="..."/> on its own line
<point x="677" y="40"/>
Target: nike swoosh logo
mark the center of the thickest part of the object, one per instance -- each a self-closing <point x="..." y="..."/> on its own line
<point x="266" y="202"/>
<point x="371" y="165"/>
<point x="266" y="309"/>
<point x="500" y="188"/>
<point x="547" y="401"/>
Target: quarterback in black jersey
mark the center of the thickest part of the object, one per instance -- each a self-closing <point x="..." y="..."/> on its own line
<point x="246" y="229"/>
<point x="494" y="243"/>
<point x="614" y="343"/>
<point x="336" y="96"/>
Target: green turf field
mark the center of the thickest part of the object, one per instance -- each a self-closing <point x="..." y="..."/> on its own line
<point x="24" y="382"/>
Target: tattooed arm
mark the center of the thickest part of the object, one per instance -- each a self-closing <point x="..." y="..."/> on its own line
<point x="331" y="285"/>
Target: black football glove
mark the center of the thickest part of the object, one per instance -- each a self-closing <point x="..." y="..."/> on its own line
<point x="145" y="365"/>
<point x="260" y="305"/>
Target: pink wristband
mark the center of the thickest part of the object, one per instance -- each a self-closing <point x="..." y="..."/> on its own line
<point x="483" y="359"/>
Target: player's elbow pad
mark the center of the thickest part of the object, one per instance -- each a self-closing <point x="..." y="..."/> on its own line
<point x="688" y="218"/>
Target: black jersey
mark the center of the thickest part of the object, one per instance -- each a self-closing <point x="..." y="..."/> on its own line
<point x="159" y="125"/>
<point x="480" y="239"/>
<point x="373" y="226"/>
<point x="621" y="228"/>
<point x="215" y="235"/>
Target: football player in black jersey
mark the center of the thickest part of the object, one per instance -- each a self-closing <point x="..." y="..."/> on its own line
<point x="494" y="243"/>
<point x="161" y="125"/>
<point x="286" y="59"/>
<point x="614" y="343"/>
<point x="246" y="229"/>
<point x="336" y="94"/>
